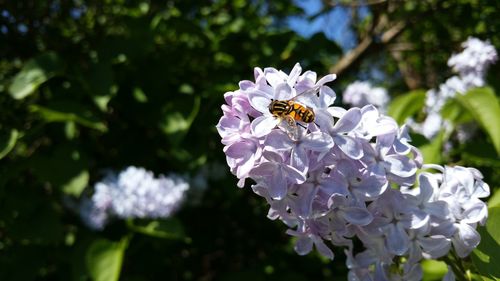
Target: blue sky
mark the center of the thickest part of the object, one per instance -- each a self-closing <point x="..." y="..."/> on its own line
<point x="334" y="24"/>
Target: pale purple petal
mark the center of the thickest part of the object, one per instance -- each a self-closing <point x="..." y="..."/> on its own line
<point x="327" y="78"/>
<point x="397" y="239"/>
<point x="263" y="125"/>
<point x="349" y="121"/>
<point x="417" y="219"/>
<point x="400" y="165"/>
<point x="371" y="187"/>
<point x="283" y="92"/>
<point x="293" y="175"/>
<point x="475" y="211"/>
<point x="349" y="146"/>
<point x="278" y="140"/>
<point x="303" y="246"/>
<point x="465" y="240"/>
<point x="436" y="246"/>
<point x="357" y="216"/>
<point x="317" y="141"/>
<point x="326" y="96"/>
<point x="259" y="100"/>
<point x="277" y="185"/>
<point x="294" y="75"/>
<point x="273" y="77"/>
<point x="299" y="159"/>
<point x="323" y="249"/>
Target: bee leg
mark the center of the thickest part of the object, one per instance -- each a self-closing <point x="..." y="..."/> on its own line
<point x="301" y="125"/>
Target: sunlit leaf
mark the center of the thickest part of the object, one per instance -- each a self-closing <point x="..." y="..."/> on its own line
<point x="170" y="228"/>
<point x="487" y="255"/>
<point x="406" y="105"/>
<point x="494" y="200"/>
<point x="7" y="142"/>
<point x="99" y="84"/>
<point x="104" y="259"/>
<point x="69" y="111"/>
<point x="139" y="95"/>
<point x="483" y="105"/>
<point x="175" y="125"/>
<point x="65" y="168"/>
<point x="432" y="151"/>
<point x="455" y="112"/>
<point x="34" y="73"/>
<point x="433" y="270"/>
<point x="77" y="184"/>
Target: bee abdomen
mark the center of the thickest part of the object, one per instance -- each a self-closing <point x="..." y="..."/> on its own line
<point x="308" y="116"/>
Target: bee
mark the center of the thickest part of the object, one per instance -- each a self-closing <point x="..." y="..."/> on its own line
<point x="292" y="111"/>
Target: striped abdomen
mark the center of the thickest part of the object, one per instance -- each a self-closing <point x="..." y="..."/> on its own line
<point x="293" y="109"/>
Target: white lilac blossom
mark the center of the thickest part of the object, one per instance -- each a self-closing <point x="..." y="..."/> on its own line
<point x="133" y="193"/>
<point x="361" y="93"/>
<point x="471" y="65"/>
<point x="349" y="175"/>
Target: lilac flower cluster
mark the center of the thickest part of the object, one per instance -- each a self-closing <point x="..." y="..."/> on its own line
<point x="334" y="180"/>
<point x="471" y="65"/>
<point x="363" y="93"/>
<point x="133" y="193"/>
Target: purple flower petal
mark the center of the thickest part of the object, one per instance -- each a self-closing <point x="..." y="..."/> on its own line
<point x="278" y="140"/>
<point x="349" y="121"/>
<point x="294" y="75"/>
<point x="400" y="165"/>
<point x="357" y="216"/>
<point x="323" y="249"/>
<point x="349" y="146"/>
<point x="303" y="246"/>
<point x="283" y="92"/>
<point x="465" y="240"/>
<point x="259" y="100"/>
<point x="277" y="185"/>
<point x="475" y="211"/>
<point x="263" y="125"/>
<point x="397" y="239"/>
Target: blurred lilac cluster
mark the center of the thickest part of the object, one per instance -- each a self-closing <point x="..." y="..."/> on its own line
<point x="133" y="193"/>
<point x="349" y="175"/>
<point x="471" y="65"/>
<point x="361" y="93"/>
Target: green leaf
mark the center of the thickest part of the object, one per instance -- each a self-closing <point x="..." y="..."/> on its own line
<point x="406" y="105"/>
<point x="176" y="125"/>
<point x="168" y="228"/>
<point x="480" y="152"/>
<point x="494" y="200"/>
<point x="432" y="150"/>
<point x="484" y="107"/>
<point x="77" y="184"/>
<point x="139" y="95"/>
<point x="104" y="259"/>
<point x="99" y="82"/>
<point x="69" y="111"/>
<point x="455" y="112"/>
<point x="433" y="270"/>
<point x="65" y="168"/>
<point x="486" y="256"/>
<point x="34" y="73"/>
<point x="7" y="143"/>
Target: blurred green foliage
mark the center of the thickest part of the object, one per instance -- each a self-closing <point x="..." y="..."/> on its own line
<point x="92" y="85"/>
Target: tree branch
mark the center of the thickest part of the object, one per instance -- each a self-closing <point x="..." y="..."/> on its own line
<point x="367" y="42"/>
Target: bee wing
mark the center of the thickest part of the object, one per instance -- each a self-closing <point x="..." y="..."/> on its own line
<point x="308" y="97"/>
<point x="313" y="90"/>
<point x="292" y="129"/>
